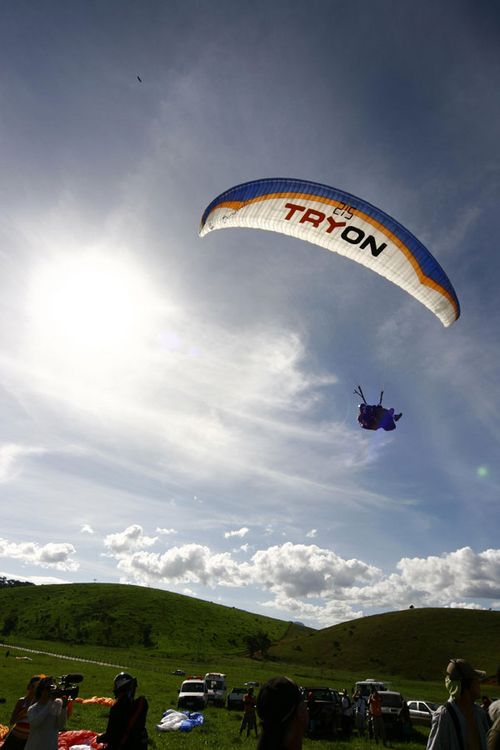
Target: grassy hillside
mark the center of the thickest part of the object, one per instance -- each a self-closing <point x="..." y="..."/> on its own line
<point x="130" y="616"/>
<point x="416" y="643"/>
<point x="91" y="619"/>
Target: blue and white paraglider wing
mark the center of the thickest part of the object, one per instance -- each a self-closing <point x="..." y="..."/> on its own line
<point x="342" y="223"/>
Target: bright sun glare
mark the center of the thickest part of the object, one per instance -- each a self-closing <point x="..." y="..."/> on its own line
<point x="91" y="306"/>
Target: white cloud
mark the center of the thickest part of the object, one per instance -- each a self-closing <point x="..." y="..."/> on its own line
<point x="11" y="456"/>
<point x="189" y="563"/>
<point x="312" y="533"/>
<point x="50" y="555"/>
<point x="317" y="584"/>
<point x="238" y="532"/>
<point x="305" y="570"/>
<point x="463" y="573"/>
<point x="165" y="532"/>
<point x="130" y="539"/>
<point x="323" y="614"/>
<point x="86" y="529"/>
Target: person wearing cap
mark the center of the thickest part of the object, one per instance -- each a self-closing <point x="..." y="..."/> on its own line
<point x="460" y="724"/>
<point x="283" y="713"/>
<point x="18" y="735"/>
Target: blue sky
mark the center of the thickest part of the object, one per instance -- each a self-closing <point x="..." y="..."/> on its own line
<point x="179" y="412"/>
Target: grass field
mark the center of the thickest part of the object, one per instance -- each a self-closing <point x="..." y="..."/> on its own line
<point x="150" y="633"/>
<point x="160" y="687"/>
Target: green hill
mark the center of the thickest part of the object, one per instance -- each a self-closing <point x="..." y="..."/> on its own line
<point x="414" y="643"/>
<point x="130" y="616"/>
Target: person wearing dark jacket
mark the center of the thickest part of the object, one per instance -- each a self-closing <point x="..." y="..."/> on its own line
<point x="126" y="728"/>
<point x="283" y="712"/>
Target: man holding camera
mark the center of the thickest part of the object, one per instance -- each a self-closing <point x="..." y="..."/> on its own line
<point x="47" y="717"/>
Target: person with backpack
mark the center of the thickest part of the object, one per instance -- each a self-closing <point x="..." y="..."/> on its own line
<point x="126" y="728"/>
<point x="460" y="724"/>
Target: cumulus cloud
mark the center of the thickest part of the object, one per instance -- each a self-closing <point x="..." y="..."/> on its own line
<point x="463" y="573"/>
<point x="237" y="532"/>
<point x="191" y="563"/>
<point x="165" y="532"/>
<point x="312" y="533"/>
<point x="50" y="555"/>
<point x="293" y="570"/>
<point x="322" y="614"/>
<point x="304" y="570"/>
<point x="130" y="539"/>
<point x="86" y="529"/>
<point x="314" y="583"/>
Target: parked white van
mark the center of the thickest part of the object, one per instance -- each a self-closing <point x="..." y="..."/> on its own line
<point x="216" y="688"/>
<point x="366" y="686"/>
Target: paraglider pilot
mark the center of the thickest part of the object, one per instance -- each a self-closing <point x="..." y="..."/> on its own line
<point x="374" y="417"/>
<point x="126" y="728"/>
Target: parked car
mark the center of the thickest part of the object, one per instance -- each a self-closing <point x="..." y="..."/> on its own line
<point x="193" y="694"/>
<point x="324" y="705"/>
<point x="421" y="712"/>
<point x="235" y="698"/>
<point x="392" y="703"/>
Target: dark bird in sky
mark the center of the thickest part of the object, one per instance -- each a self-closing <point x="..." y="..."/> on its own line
<point x="139" y="79"/>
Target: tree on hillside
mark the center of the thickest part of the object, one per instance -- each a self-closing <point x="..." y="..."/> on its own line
<point x="9" y="624"/>
<point x="10" y="582"/>
<point x="257" y="642"/>
<point x="147" y="631"/>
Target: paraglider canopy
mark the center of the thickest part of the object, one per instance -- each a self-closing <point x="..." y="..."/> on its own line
<point x="342" y="223"/>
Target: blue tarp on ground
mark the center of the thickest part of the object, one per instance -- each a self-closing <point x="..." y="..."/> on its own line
<point x="179" y="721"/>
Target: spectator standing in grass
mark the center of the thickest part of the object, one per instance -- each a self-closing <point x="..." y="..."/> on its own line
<point x="376" y="717"/>
<point x="360" y="710"/>
<point x="405" y="722"/>
<point x="283" y="712"/>
<point x="249" y="720"/>
<point x="47" y="716"/>
<point x="347" y="714"/>
<point x="18" y="735"/>
<point x="460" y="724"/>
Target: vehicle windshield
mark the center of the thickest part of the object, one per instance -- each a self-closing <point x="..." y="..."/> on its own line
<point x="391" y="700"/>
<point x="193" y="687"/>
<point x="321" y="695"/>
